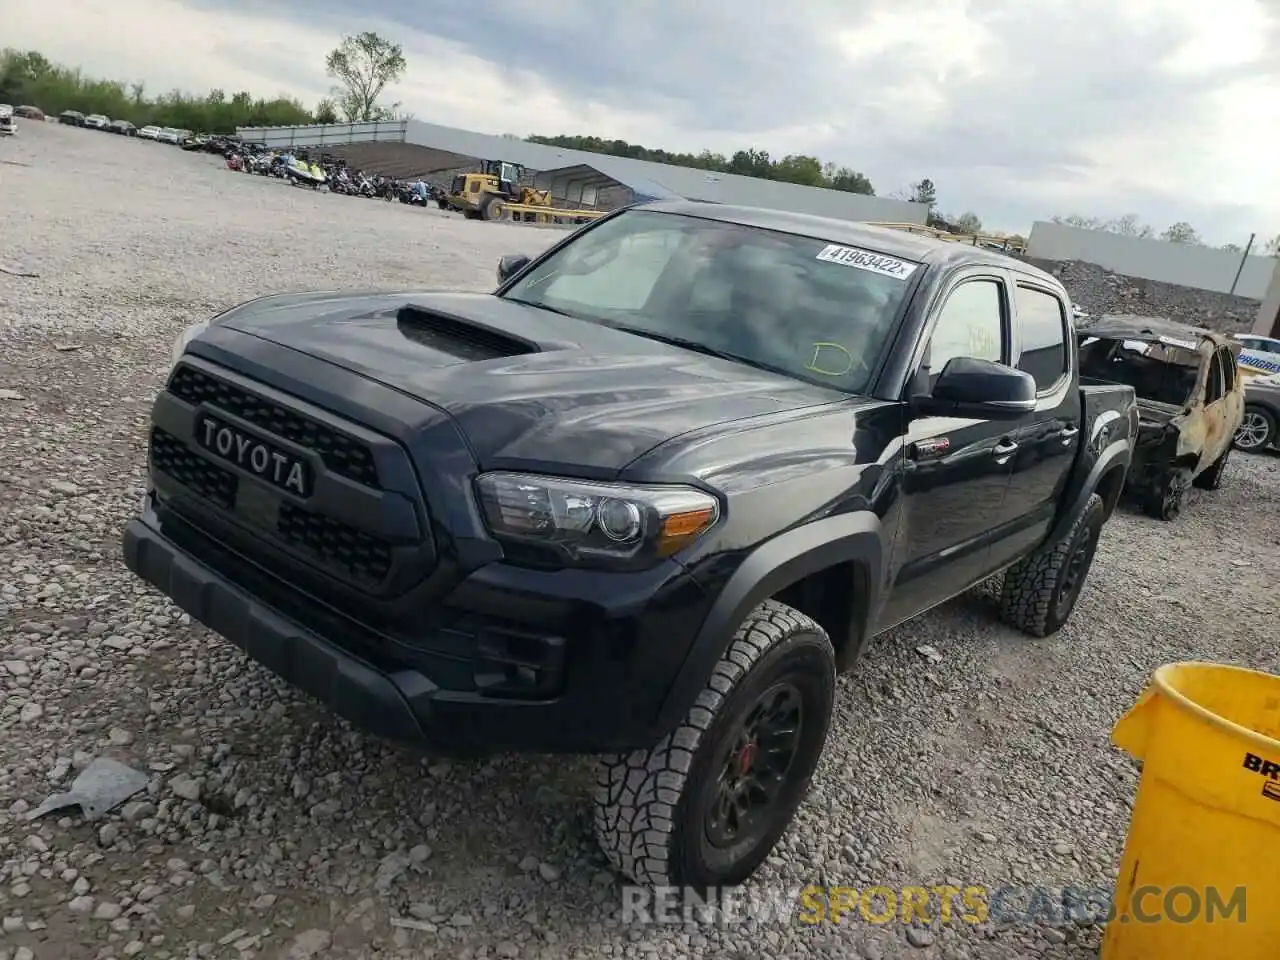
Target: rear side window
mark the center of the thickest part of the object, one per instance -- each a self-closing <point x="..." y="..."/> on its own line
<point x="1228" y="369"/>
<point x="1042" y="324"/>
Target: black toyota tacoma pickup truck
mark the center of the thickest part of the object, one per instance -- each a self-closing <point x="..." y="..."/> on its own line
<point x="644" y="500"/>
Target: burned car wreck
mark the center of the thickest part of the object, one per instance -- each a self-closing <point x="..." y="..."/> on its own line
<point x="1190" y="400"/>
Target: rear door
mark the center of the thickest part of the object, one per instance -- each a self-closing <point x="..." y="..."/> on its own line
<point x="1046" y="439"/>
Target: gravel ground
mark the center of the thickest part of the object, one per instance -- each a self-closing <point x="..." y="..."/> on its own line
<point x="961" y="751"/>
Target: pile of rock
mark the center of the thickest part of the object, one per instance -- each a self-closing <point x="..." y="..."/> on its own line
<point x="1098" y="291"/>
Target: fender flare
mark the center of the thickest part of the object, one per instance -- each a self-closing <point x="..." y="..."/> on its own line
<point x="773" y="566"/>
<point x="1117" y="453"/>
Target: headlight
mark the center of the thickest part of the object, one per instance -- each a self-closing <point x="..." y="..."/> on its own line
<point x="609" y="523"/>
<point x="185" y="337"/>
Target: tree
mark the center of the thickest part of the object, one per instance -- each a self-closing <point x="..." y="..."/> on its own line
<point x="1181" y="232"/>
<point x="793" y="168"/>
<point x="923" y="192"/>
<point x="1126" y="226"/>
<point x="1272" y="246"/>
<point x="851" y="181"/>
<point x="968" y="223"/>
<point x="29" y="77"/>
<point x="326" y="111"/>
<point x="800" y="169"/>
<point x="363" y="65"/>
<point x="1130" y="226"/>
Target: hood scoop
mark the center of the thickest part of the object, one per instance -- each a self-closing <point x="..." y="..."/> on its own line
<point x="468" y="340"/>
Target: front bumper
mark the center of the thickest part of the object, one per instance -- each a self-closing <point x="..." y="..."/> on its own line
<point x="607" y="664"/>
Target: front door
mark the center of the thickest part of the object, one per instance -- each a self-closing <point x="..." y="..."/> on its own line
<point x="956" y="469"/>
<point x="1215" y="416"/>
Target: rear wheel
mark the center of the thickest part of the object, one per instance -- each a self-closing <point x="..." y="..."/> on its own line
<point x="707" y="804"/>
<point x="1257" y="430"/>
<point x="1040" y="591"/>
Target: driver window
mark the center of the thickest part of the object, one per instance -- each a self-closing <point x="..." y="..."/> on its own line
<point x="1213" y="387"/>
<point x="970" y="324"/>
<point x="627" y="272"/>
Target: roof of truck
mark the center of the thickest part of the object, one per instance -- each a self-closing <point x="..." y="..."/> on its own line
<point x="886" y="240"/>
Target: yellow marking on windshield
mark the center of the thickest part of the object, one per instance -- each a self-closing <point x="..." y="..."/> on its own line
<point x="812" y="365"/>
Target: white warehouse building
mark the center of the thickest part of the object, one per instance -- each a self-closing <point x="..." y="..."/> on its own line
<point x="575" y="178"/>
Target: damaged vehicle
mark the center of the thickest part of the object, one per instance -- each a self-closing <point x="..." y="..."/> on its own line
<point x="1190" y="398"/>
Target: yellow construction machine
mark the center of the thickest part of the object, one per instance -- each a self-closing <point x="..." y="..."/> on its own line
<point x="494" y="193"/>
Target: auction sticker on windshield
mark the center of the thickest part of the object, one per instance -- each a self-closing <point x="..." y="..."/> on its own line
<point x="867" y="260"/>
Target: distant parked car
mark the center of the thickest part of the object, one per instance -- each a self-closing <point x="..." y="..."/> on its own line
<point x="8" y="126"/>
<point x="149" y="132"/>
<point x="171" y="135"/>
<point x="123" y="127"/>
<point x="28" y="112"/>
<point x="97" y="121"/>
<point x="1260" y="428"/>
<point x="72" y="118"/>
<point x="197" y="142"/>
<point x="1258" y="354"/>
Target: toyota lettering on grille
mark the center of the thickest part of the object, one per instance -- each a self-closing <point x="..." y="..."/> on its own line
<point x="254" y="455"/>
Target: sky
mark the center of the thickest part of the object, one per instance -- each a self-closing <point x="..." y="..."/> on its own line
<point x="1017" y="110"/>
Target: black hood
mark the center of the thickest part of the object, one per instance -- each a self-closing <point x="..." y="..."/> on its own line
<point x="526" y="385"/>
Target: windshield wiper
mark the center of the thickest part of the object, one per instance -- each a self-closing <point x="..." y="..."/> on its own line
<point x="698" y="347"/>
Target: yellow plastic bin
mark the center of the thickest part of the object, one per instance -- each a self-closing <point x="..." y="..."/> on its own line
<point x="1200" y="876"/>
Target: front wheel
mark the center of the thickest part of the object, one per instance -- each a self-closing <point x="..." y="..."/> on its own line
<point x="707" y="804"/>
<point x="1211" y="478"/>
<point x="1168" y="494"/>
<point x="1041" y="590"/>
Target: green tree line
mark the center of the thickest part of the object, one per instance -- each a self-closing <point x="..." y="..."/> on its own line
<point x="793" y="168"/>
<point x="30" y="78"/>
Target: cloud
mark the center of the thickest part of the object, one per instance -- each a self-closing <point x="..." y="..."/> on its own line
<point x="1016" y="110"/>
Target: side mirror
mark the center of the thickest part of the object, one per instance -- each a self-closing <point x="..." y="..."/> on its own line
<point x="981" y="389"/>
<point x="510" y="265"/>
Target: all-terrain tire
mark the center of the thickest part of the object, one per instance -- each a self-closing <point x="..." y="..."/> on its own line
<point x="651" y="806"/>
<point x="1041" y="590"/>
<point x="1211" y="478"/>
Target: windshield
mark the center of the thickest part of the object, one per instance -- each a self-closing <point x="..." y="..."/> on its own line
<point x="813" y="310"/>
<point x="1163" y="373"/>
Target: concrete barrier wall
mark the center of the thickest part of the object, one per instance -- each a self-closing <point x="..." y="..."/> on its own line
<point x="1187" y="265"/>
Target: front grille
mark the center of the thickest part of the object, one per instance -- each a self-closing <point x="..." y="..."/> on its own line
<point x="170" y="455"/>
<point x="342" y="454"/>
<point x="358" y="555"/>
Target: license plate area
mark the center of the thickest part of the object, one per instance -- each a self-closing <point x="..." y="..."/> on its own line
<point x="255" y="455"/>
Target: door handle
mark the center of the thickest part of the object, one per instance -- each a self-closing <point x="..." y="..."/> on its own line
<point x="1068" y="434"/>
<point x="1003" y="451"/>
